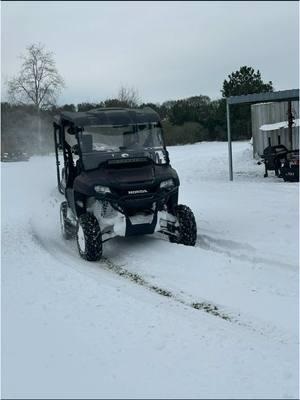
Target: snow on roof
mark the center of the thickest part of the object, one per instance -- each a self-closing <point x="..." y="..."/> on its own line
<point x="278" y="125"/>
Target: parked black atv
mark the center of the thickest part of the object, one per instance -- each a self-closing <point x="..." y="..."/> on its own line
<point x="272" y="157"/>
<point x="117" y="179"/>
<point x="289" y="168"/>
<point x="284" y="162"/>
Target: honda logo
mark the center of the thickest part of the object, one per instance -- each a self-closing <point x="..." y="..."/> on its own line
<point x="137" y="191"/>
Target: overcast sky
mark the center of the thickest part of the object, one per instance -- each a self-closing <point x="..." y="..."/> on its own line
<point x="167" y="50"/>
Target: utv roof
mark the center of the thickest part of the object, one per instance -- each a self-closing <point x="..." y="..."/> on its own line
<point x="107" y="116"/>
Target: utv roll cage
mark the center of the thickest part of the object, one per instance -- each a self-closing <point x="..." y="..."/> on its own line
<point x="74" y="122"/>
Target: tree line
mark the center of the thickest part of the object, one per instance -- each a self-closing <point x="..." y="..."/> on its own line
<point x="26" y="119"/>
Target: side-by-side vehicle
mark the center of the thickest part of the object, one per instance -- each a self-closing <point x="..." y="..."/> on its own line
<point x="117" y="179"/>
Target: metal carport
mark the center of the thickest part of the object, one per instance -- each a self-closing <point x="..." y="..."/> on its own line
<point x="283" y="95"/>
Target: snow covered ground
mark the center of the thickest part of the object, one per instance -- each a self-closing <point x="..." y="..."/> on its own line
<point x="154" y="319"/>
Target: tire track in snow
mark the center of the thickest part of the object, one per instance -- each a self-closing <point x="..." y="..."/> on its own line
<point x="208" y="307"/>
<point x="64" y="255"/>
<point x="204" y="305"/>
<point x="122" y="272"/>
<point x="224" y="246"/>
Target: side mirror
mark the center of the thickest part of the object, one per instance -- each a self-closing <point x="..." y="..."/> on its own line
<point x="71" y="131"/>
<point x="75" y="149"/>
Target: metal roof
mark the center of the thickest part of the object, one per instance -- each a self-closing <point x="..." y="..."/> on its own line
<point x="107" y="116"/>
<point x="283" y="95"/>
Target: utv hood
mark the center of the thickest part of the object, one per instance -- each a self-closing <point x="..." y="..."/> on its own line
<point x="135" y="176"/>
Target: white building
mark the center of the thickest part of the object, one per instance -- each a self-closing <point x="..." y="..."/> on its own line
<point x="270" y="125"/>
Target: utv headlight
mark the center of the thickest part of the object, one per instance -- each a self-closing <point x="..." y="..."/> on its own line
<point x="102" y="189"/>
<point x="166" y="184"/>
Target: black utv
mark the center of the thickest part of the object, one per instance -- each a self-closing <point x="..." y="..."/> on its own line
<point x="117" y="179"/>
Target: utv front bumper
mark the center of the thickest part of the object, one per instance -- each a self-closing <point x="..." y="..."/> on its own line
<point x="128" y="204"/>
<point x="129" y="215"/>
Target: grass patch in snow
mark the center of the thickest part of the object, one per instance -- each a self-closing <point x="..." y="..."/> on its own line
<point x="136" y="278"/>
<point x="160" y="291"/>
<point x="210" y="309"/>
<point x="125" y="273"/>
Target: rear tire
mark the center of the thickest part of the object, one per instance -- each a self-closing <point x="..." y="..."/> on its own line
<point x="67" y="228"/>
<point x="187" y="230"/>
<point x="89" y="238"/>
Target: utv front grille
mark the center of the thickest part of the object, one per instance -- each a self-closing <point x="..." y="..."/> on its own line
<point x="136" y="192"/>
<point x="126" y="161"/>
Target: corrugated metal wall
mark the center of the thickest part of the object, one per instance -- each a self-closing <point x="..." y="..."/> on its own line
<point x="270" y="113"/>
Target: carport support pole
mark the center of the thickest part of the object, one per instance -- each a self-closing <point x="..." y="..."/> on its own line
<point x="290" y="124"/>
<point x="229" y="141"/>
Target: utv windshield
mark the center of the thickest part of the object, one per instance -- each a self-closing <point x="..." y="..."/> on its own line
<point x="97" y="138"/>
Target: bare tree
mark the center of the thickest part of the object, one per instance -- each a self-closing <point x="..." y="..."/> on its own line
<point x="129" y="96"/>
<point x="38" y="82"/>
